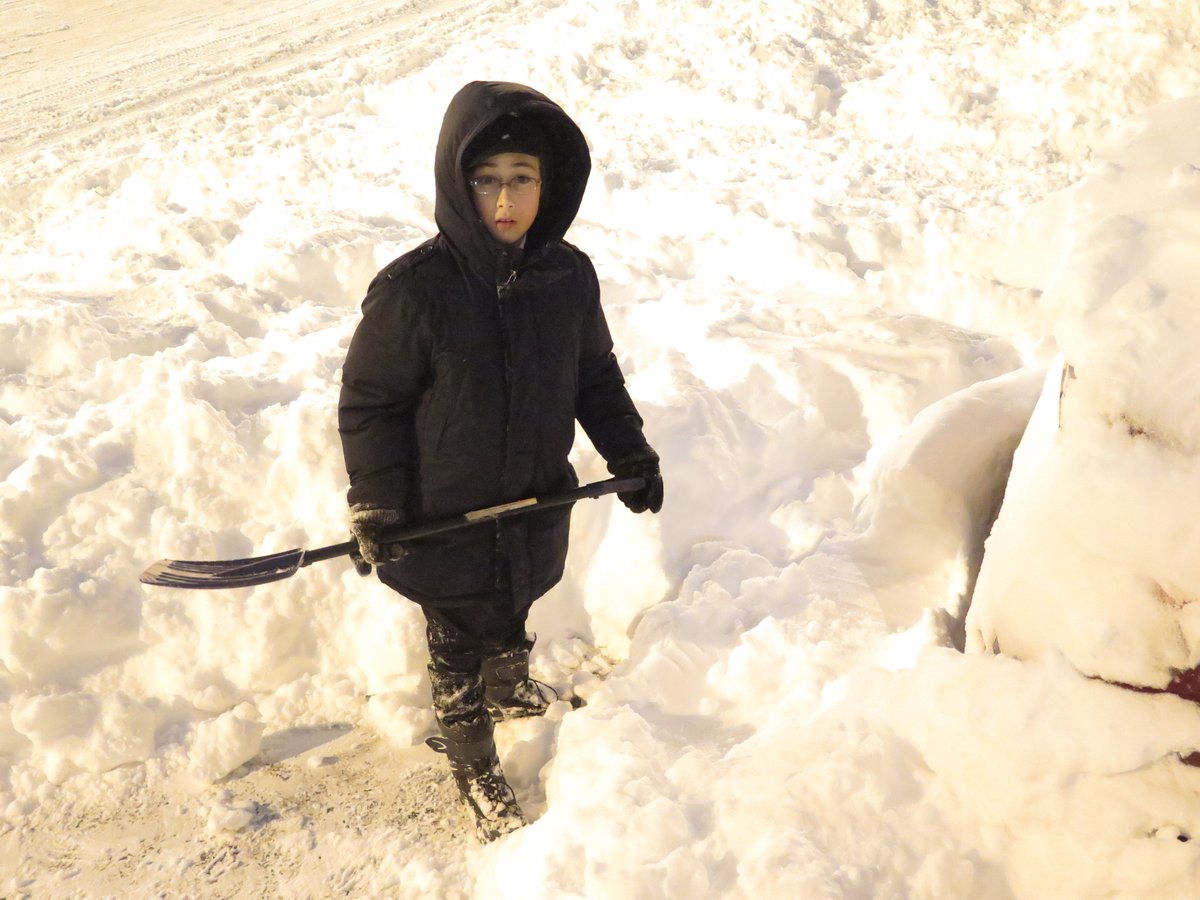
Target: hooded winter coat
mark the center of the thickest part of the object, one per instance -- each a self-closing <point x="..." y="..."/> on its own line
<point x="470" y="366"/>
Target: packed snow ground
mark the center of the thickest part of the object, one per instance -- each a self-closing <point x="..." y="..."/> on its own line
<point x="837" y="293"/>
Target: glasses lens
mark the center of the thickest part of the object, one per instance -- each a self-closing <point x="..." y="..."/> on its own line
<point x="485" y="184"/>
<point x="522" y="184"/>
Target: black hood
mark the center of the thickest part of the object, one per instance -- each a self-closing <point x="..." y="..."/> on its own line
<point x="472" y="110"/>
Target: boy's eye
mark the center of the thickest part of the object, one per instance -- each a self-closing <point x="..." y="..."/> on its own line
<point x="485" y="182"/>
<point x="522" y="181"/>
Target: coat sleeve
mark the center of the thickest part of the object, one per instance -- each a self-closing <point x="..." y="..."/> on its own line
<point x="602" y="404"/>
<point x="383" y="377"/>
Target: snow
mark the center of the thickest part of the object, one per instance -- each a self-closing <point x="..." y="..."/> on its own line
<point x="1113" y="462"/>
<point x="846" y="250"/>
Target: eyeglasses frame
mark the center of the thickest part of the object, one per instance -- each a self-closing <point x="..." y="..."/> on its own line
<point x="501" y="185"/>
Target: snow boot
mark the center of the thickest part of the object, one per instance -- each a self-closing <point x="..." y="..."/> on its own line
<point x="509" y="692"/>
<point x="468" y="743"/>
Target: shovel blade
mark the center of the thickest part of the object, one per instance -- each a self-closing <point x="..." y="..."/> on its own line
<point x="230" y="573"/>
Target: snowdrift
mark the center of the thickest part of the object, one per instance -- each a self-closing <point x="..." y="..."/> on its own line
<point x="1095" y="554"/>
<point x="807" y="220"/>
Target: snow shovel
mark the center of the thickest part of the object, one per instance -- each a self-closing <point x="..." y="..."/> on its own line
<point x="235" y="573"/>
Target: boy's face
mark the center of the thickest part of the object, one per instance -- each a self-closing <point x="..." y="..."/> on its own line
<point x="511" y="186"/>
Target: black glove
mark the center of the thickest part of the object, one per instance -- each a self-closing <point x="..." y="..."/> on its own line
<point x="640" y="464"/>
<point x="366" y="521"/>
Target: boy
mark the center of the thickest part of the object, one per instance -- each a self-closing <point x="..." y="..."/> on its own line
<point x="476" y="353"/>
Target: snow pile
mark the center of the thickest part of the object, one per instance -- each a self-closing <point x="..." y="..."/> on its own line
<point x="806" y="219"/>
<point x="222" y="744"/>
<point x="1101" y="510"/>
<point x="937" y="492"/>
<point x="92" y="732"/>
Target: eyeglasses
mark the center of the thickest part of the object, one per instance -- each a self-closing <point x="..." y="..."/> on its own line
<point x="490" y="185"/>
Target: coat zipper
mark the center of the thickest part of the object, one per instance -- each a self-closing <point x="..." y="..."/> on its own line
<point x="503" y="289"/>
